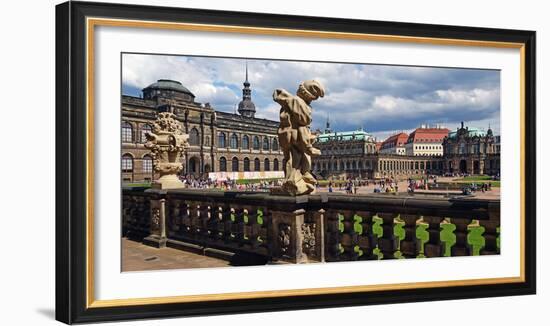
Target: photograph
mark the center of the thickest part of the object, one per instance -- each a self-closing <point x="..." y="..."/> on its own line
<point x="229" y="162"/>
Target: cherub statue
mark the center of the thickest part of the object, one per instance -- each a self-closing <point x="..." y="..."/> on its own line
<point x="295" y="138"/>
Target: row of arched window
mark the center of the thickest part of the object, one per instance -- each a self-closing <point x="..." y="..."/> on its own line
<point x="247" y="164"/>
<point x="127" y="163"/>
<point x="335" y="166"/>
<point x="128" y="132"/>
<point x="265" y="143"/>
<point x="244" y="143"/>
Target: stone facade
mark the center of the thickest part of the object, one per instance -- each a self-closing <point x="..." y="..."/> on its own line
<point x="354" y="154"/>
<point x="218" y="141"/>
<point x="472" y="151"/>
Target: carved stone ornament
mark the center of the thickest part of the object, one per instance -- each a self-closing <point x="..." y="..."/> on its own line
<point x="284" y="238"/>
<point x="155" y="218"/>
<point x="308" y="239"/>
<point x="295" y="138"/>
<point x="167" y="143"/>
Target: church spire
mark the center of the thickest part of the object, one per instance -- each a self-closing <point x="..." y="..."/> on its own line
<point x="327" y="126"/>
<point x="246" y="106"/>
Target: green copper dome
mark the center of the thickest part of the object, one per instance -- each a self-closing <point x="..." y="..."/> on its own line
<point x="167" y="84"/>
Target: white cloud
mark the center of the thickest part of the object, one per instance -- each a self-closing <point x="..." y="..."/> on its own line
<point x="380" y="98"/>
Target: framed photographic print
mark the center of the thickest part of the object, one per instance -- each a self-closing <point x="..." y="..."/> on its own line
<point x="215" y="162"/>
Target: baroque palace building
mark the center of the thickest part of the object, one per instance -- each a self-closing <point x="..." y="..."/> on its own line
<point x="472" y="151"/>
<point x="219" y="141"/>
<point x="433" y="151"/>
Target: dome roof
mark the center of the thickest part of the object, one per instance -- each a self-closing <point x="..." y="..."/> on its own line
<point x="472" y="132"/>
<point x="169" y="85"/>
<point x="247" y="104"/>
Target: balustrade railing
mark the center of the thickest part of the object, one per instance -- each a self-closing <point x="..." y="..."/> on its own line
<point x="325" y="227"/>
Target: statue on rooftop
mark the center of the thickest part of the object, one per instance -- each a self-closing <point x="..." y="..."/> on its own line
<point x="295" y="138"/>
<point x="167" y="142"/>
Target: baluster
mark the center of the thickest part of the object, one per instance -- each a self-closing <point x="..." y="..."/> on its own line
<point x="203" y="218"/>
<point x="408" y="245"/>
<point x="238" y="225"/>
<point x="399" y="233"/>
<point x="252" y="228"/>
<point x="447" y="236"/>
<point x="366" y="240"/>
<point x="332" y="236"/>
<point x="475" y="237"/>
<point x="194" y="212"/>
<point x="434" y="247"/>
<point x="490" y="235"/>
<point x="461" y="247"/>
<point x="387" y="243"/>
<point x="265" y="233"/>
<point x="348" y="239"/>
<point x="227" y="221"/>
<point x="174" y="217"/>
<point x="215" y="225"/>
<point x="185" y="219"/>
<point x="378" y="232"/>
<point x="422" y="235"/>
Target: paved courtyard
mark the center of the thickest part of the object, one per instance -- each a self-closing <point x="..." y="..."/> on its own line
<point x="402" y="186"/>
<point x="139" y="257"/>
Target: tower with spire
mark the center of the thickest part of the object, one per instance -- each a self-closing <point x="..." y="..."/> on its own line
<point x="246" y="106"/>
<point x="327" y="126"/>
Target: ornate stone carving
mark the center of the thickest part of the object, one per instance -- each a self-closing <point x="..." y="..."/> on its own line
<point x="308" y="239"/>
<point x="155" y="218"/>
<point x="284" y="238"/>
<point x="167" y="143"/>
<point x="295" y="138"/>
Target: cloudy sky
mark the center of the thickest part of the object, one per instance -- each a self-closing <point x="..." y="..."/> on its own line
<point x="382" y="99"/>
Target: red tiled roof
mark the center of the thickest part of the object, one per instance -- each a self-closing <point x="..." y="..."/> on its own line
<point x="378" y="145"/>
<point x="428" y="135"/>
<point x="395" y="140"/>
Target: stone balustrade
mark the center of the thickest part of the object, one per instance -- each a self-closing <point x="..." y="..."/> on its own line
<point x="314" y="228"/>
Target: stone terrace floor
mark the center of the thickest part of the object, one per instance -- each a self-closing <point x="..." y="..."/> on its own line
<point x="139" y="257"/>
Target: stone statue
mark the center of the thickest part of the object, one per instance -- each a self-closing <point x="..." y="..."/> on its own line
<point x="295" y="138"/>
<point x="167" y="143"/>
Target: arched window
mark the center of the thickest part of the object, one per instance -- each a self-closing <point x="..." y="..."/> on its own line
<point x="353" y="165"/>
<point x="275" y="165"/>
<point x="256" y="143"/>
<point x="265" y="144"/>
<point x="126" y="132"/>
<point x="221" y="140"/>
<point x="207" y="141"/>
<point x="194" y="137"/>
<point x="256" y="164"/>
<point x="127" y="163"/>
<point x="245" y="143"/>
<point x="275" y="144"/>
<point x="266" y="164"/>
<point x="246" y="164"/>
<point x="223" y="164"/>
<point x="234" y="141"/>
<point x="147" y="164"/>
<point x="145" y="129"/>
<point x="235" y="164"/>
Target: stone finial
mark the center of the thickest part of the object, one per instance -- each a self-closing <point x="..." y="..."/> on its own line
<point x="167" y="143"/>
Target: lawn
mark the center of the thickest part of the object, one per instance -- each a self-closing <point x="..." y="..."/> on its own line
<point x="478" y="180"/>
<point x="252" y="181"/>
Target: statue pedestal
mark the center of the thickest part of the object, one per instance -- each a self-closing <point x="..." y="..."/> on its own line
<point x="170" y="181"/>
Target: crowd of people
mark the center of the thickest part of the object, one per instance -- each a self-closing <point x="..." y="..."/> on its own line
<point x="193" y="182"/>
